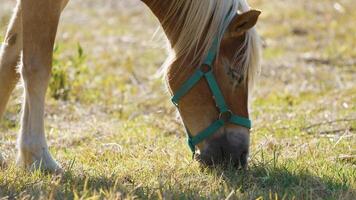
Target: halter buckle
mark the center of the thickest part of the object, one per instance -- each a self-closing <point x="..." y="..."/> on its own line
<point x="205" y="68"/>
<point x="225" y="116"/>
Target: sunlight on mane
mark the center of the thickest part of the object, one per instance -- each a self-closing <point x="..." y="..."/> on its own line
<point x="195" y="17"/>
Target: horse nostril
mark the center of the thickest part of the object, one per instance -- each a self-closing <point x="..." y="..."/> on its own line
<point x="213" y="154"/>
<point x="222" y="153"/>
<point x="243" y="160"/>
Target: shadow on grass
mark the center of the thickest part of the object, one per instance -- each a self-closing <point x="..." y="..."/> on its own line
<point x="259" y="181"/>
<point x="270" y="182"/>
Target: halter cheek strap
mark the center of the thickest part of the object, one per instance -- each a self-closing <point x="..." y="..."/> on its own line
<point x="225" y="116"/>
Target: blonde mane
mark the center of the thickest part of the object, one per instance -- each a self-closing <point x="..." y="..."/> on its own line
<point x="199" y="22"/>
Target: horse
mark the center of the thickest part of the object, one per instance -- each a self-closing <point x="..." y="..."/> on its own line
<point x="214" y="57"/>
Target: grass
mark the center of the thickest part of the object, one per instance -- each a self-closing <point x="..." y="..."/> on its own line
<point x="110" y="124"/>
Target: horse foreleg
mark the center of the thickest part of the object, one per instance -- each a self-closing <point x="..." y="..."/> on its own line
<point x="40" y="21"/>
<point x="9" y="56"/>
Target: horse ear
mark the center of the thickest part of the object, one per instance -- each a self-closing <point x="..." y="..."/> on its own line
<point x="243" y="22"/>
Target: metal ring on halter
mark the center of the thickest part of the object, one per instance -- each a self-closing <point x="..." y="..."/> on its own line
<point x="175" y="104"/>
<point x="205" y="68"/>
<point x="226" y="116"/>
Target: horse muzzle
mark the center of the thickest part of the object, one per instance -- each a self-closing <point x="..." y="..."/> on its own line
<point x="229" y="148"/>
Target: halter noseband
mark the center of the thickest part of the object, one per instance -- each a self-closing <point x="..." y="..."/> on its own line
<point x="225" y="116"/>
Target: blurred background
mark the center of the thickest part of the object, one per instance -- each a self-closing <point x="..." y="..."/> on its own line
<point x="106" y="60"/>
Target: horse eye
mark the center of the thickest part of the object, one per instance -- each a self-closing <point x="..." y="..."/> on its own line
<point x="235" y="76"/>
<point x="241" y="78"/>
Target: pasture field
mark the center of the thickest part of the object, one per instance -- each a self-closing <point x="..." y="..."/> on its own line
<point x="110" y="123"/>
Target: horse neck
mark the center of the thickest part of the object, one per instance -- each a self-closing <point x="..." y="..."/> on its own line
<point x="161" y="9"/>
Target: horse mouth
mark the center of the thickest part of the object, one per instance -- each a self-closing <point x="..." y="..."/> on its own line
<point x="224" y="162"/>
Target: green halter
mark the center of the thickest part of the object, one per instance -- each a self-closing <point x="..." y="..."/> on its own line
<point x="225" y="116"/>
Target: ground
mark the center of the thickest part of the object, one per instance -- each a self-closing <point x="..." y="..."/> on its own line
<point x="110" y="124"/>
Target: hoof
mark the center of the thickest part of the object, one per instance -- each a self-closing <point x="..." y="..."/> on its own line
<point x="38" y="161"/>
